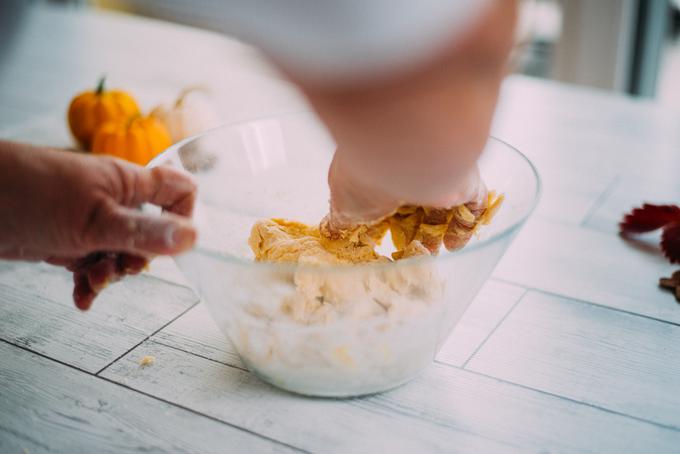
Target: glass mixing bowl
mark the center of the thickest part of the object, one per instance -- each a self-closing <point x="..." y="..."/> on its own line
<point x="382" y="323"/>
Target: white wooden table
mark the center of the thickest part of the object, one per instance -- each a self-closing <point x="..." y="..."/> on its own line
<point x="569" y="347"/>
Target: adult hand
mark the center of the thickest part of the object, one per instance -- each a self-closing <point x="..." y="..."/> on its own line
<point x="414" y="137"/>
<point x="67" y="208"/>
<point x="361" y="197"/>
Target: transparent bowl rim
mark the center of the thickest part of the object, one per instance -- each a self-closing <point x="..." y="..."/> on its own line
<point x="278" y="266"/>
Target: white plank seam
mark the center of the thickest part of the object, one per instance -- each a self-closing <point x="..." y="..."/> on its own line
<point x="599" y="201"/>
<point x="671" y="300"/>
<point x="174" y="347"/>
<point x="568" y="399"/>
<point x="147" y="337"/>
<point x="493" y="330"/>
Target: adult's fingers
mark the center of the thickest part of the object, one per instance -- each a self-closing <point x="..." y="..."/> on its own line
<point x="355" y="200"/>
<point x="463" y="223"/>
<point x="118" y="228"/>
<point x="93" y="273"/>
<point x="169" y="188"/>
<point x="83" y="294"/>
<point x="468" y="188"/>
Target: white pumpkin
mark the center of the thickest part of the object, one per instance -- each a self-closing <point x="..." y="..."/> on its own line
<point x="190" y="114"/>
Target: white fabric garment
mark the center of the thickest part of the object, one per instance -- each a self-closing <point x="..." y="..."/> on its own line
<point x="331" y="39"/>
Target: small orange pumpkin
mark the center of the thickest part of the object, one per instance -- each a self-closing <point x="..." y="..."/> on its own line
<point x="90" y="109"/>
<point x="137" y="140"/>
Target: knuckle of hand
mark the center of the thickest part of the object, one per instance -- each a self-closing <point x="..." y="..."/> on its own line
<point x="124" y="186"/>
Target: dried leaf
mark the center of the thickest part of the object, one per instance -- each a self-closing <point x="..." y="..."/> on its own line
<point x="668" y="283"/>
<point x="649" y="217"/>
<point x="670" y="242"/>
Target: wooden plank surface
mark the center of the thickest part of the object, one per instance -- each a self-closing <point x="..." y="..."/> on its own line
<point x="48" y="407"/>
<point x="630" y="192"/>
<point x="197" y="333"/>
<point x="49" y="130"/>
<point x="11" y="117"/>
<point x="166" y="269"/>
<point x="37" y="312"/>
<point x="565" y="201"/>
<point x="560" y="115"/>
<point x="485" y="313"/>
<point x="589" y="265"/>
<point x="582" y="140"/>
<point x="445" y="409"/>
<point x="237" y="397"/>
<point x="617" y="361"/>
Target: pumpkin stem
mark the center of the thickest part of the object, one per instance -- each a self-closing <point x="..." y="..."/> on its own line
<point x="100" y="86"/>
<point x="183" y="94"/>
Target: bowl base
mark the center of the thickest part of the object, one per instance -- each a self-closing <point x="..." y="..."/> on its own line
<point x="326" y="393"/>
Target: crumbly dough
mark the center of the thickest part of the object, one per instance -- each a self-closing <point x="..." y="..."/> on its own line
<point x="323" y="296"/>
<point x="415" y="230"/>
<point x="147" y="360"/>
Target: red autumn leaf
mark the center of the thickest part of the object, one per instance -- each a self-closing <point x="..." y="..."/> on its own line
<point x="648" y="218"/>
<point x="670" y="242"/>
